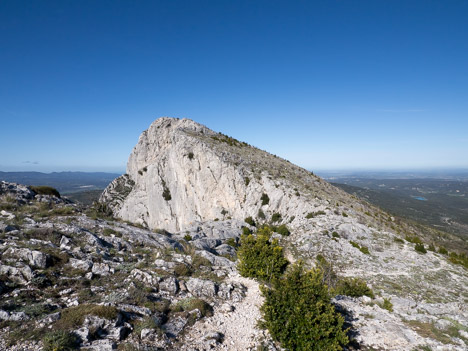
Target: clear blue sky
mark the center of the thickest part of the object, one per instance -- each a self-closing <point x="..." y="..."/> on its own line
<point x="326" y="84"/>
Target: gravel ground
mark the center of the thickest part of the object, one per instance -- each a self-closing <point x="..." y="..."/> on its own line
<point x="239" y="327"/>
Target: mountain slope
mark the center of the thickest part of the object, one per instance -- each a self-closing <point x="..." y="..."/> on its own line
<point x="181" y="175"/>
<point x="181" y="172"/>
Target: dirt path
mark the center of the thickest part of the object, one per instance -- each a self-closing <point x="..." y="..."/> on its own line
<point x="239" y="326"/>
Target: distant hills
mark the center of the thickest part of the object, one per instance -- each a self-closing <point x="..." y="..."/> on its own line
<point x="64" y="182"/>
<point x="440" y="203"/>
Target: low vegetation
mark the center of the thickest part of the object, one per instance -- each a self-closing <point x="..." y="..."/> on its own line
<point x="314" y="214"/>
<point x="363" y="249"/>
<point x="260" y="257"/>
<point x="387" y="305"/>
<point x="276" y="217"/>
<point x="298" y="312"/>
<point x="193" y="303"/>
<point x="166" y="192"/>
<point x="283" y="230"/>
<point x="45" y="190"/>
<point x="74" y="316"/>
<point x="60" y="341"/>
<point x="420" y="248"/>
<point x="354" y="287"/>
<point x="250" y="221"/>
<point x="265" y="199"/>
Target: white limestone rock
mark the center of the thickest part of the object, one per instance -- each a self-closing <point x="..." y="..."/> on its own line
<point x="181" y="173"/>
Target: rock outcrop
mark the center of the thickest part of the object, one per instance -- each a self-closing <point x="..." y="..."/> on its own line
<point x="121" y="285"/>
<point x="169" y="280"/>
<point x="181" y="173"/>
<point x="193" y="182"/>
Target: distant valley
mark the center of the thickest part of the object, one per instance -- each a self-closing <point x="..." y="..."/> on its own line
<point x="84" y="187"/>
<point x="438" y="200"/>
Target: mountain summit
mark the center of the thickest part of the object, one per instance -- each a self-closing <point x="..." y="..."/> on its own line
<point x="199" y="215"/>
<point x="189" y="180"/>
<point x="181" y="172"/>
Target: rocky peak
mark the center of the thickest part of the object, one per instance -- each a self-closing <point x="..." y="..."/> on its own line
<point x="180" y="173"/>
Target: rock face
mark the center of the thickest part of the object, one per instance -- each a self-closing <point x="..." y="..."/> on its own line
<point x="181" y="173"/>
<point x="177" y="288"/>
<point x="131" y="287"/>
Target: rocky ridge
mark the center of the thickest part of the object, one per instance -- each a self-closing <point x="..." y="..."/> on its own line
<point x="184" y="175"/>
<point x="175" y="286"/>
<point x="112" y="284"/>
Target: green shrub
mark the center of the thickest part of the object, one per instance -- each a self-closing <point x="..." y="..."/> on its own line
<point x="354" y="287"/>
<point x="182" y="270"/>
<point x="246" y="181"/>
<point x="100" y="210"/>
<point x="298" y="313"/>
<point x="60" y="341"/>
<point x="398" y="240"/>
<point x="187" y="237"/>
<point x="190" y="155"/>
<point x="261" y="214"/>
<point x="387" y="305"/>
<point x="344" y="214"/>
<point x="460" y="259"/>
<point x="314" y="214"/>
<point x="259" y="257"/>
<point x="420" y="248"/>
<point x="198" y="261"/>
<point x="74" y="316"/>
<point x="249" y="220"/>
<point x="246" y="231"/>
<point x="276" y="217"/>
<point x="265" y="199"/>
<point x="147" y="322"/>
<point x="364" y="250"/>
<point x="413" y="239"/>
<point x="166" y="194"/>
<point x="45" y="190"/>
<point x="431" y="248"/>
<point x="232" y="242"/>
<point x="283" y="230"/>
<point x="335" y="235"/>
<point x="330" y="278"/>
<point x="62" y="211"/>
<point x="193" y="303"/>
<point x="443" y="250"/>
<point x="109" y="231"/>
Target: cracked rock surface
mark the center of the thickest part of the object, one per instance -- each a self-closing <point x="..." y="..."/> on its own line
<point x="153" y="266"/>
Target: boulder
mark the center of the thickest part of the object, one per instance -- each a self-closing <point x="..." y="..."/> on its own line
<point x="169" y="285"/>
<point x="201" y="288"/>
<point x="175" y="326"/>
<point x="13" y="316"/>
<point x="102" y="269"/>
<point x="22" y="274"/>
<point x="33" y="257"/>
<point x="84" y="265"/>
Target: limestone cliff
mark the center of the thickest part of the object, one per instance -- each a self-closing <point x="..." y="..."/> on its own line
<point x="181" y="172"/>
<point x="192" y="181"/>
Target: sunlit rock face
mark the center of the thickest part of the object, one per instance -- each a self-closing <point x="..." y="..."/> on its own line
<point x="181" y="173"/>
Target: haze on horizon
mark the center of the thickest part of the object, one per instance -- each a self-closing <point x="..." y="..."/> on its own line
<point x="324" y="84"/>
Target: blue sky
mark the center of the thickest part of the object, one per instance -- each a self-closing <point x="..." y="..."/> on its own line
<point x="326" y="84"/>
